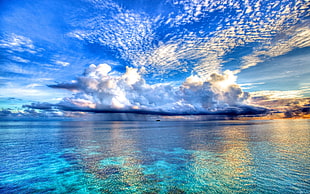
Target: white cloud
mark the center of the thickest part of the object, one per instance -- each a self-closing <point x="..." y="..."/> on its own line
<point x="19" y="59"/>
<point x="250" y="85"/>
<point x="33" y="85"/>
<point x="273" y="94"/>
<point x="202" y="51"/>
<point x="18" y="43"/>
<point x="295" y="37"/>
<point x="35" y="91"/>
<point x="28" y="92"/>
<point x="17" y="69"/>
<point x="273" y="27"/>
<point x="62" y="63"/>
<point x="99" y="89"/>
<point x="125" y="31"/>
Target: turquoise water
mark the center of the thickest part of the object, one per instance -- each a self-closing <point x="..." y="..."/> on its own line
<point x="155" y="157"/>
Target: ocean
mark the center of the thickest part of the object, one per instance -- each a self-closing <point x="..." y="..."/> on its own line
<point x="261" y="156"/>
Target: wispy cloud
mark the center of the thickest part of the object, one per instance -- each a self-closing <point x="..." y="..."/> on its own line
<point x="273" y="94"/>
<point x="32" y="91"/>
<point x="33" y="85"/>
<point x="295" y="37"/>
<point x="18" y="43"/>
<point x="274" y="28"/>
<point x="124" y="31"/>
<point x="20" y="59"/>
<point x="62" y="63"/>
<point x="17" y="69"/>
<point x="250" y="85"/>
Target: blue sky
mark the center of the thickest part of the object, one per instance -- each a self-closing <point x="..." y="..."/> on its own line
<point x="262" y="46"/>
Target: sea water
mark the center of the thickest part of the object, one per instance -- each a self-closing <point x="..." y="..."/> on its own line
<point x="155" y="157"/>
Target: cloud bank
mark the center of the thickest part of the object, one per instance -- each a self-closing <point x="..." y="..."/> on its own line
<point x="101" y="90"/>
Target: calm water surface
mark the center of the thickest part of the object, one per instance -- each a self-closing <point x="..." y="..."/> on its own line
<point x="155" y="157"/>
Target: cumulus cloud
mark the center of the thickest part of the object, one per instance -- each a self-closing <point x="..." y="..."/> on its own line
<point x="100" y="90"/>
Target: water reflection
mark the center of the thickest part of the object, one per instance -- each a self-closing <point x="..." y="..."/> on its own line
<point x="223" y="163"/>
<point x="162" y="157"/>
<point x="281" y="156"/>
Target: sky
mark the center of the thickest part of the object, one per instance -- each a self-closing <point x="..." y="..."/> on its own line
<point x="160" y="57"/>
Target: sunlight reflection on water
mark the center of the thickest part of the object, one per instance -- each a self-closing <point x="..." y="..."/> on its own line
<point x="155" y="157"/>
